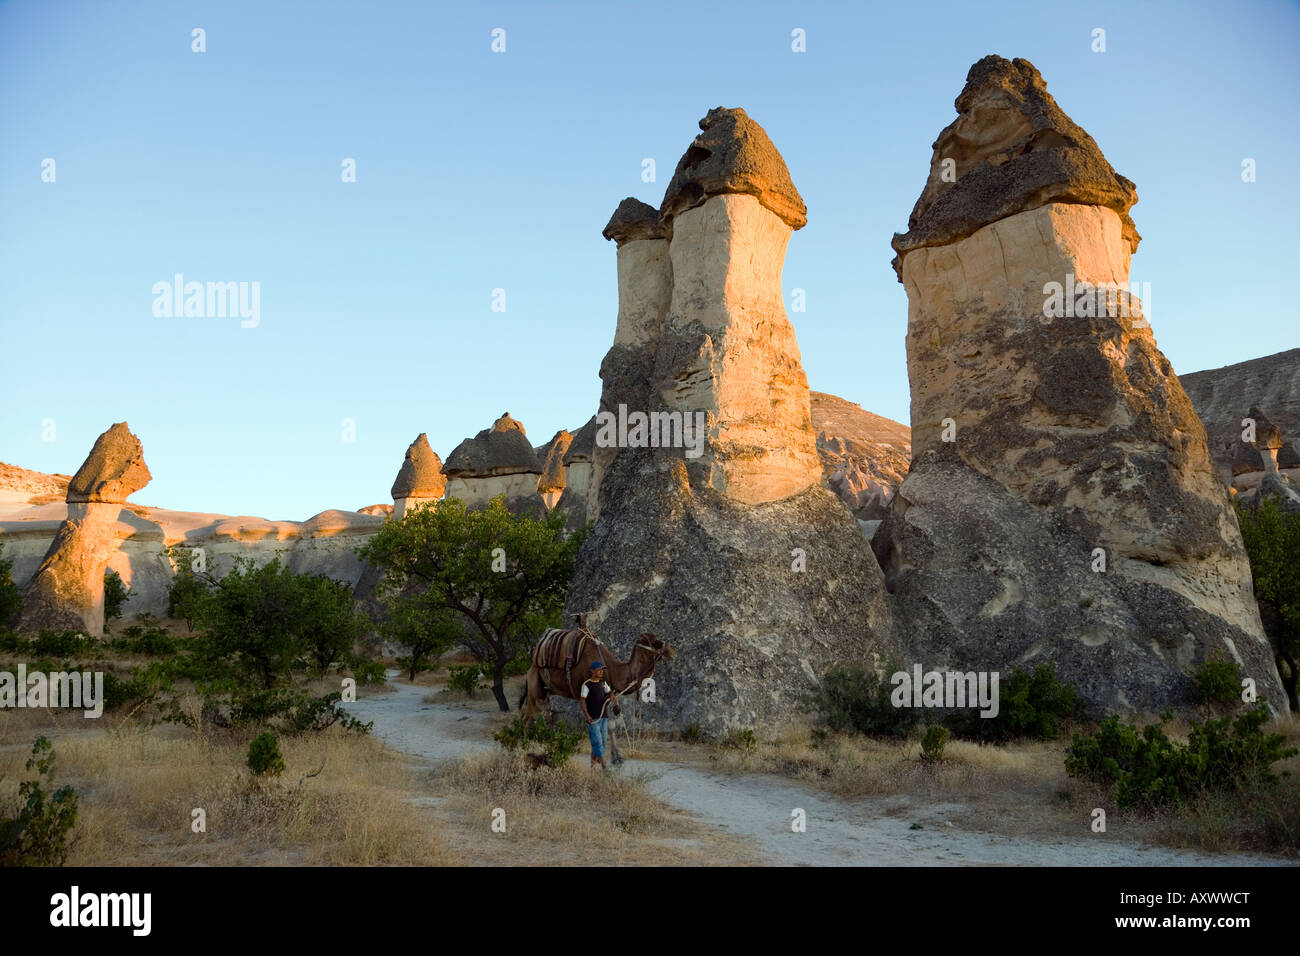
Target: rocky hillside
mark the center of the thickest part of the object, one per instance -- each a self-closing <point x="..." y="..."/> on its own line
<point x="21" y="486"/>
<point x="864" y="456"/>
<point x="1223" y="396"/>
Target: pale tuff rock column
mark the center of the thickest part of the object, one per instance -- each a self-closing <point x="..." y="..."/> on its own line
<point x="645" y="288"/>
<point x="729" y="350"/>
<point x="733" y="551"/>
<point x="67" y="590"/>
<point x="1062" y="504"/>
<point x="420" y="479"/>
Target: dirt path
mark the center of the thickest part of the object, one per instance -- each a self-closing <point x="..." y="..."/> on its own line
<point x="867" y="832"/>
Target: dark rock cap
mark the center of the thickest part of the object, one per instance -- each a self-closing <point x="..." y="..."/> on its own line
<point x="502" y="449"/>
<point x="633" y="219"/>
<point x="1014" y="149"/>
<point x="421" y="473"/>
<point x="583" y="446"/>
<point x="733" y="154"/>
<point x="113" y="470"/>
<point x="1267" y="435"/>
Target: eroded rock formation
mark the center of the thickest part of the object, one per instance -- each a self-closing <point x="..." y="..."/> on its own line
<point x="498" y="460"/>
<point x="420" y="479"/>
<point x="733" y="549"/>
<point x="67" y="590"/>
<point x="1062" y="505"/>
<point x="553" y="478"/>
<point x="865" y="457"/>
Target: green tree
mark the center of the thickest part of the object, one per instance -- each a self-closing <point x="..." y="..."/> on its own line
<point x="420" y="622"/>
<point x="189" y="588"/>
<point x="11" y="596"/>
<point x="116" y="593"/>
<point x="328" y="619"/>
<point x="506" y="575"/>
<point x="1272" y="539"/>
<point x="249" y="620"/>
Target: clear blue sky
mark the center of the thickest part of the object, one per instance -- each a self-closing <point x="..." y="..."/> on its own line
<point x="478" y="171"/>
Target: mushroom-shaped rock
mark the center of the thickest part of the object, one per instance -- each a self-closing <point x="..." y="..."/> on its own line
<point x="420" y="478"/>
<point x="1011" y="148"/>
<point x="498" y="460"/>
<point x="733" y="154"/>
<point x="1061" y="503"/>
<point x="67" y="590"/>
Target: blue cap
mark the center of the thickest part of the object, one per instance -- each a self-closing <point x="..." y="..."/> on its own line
<point x="596" y="665"/>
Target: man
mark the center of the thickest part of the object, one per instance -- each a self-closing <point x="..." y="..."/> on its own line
<point x="594" y="693"/>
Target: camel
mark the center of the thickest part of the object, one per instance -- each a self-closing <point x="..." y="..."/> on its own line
<point x="622" y="676"/>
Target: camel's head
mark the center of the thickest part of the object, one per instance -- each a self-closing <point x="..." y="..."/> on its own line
<point x="662" y="650"/>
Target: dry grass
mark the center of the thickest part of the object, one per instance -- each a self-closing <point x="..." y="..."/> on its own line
<point x="138" y="787"/>
<point x="571" y="815"/>
<point x="1016" y="789"/>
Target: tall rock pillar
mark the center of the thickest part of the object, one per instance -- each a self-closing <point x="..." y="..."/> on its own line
<point x="1061" y="505"/>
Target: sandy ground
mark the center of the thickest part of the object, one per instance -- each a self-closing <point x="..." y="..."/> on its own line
<point x="870" y="832"/>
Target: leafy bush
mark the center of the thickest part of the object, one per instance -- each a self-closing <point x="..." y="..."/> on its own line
<point x="37" y="832"/>
<point x="1029" y="705"/>
<point x="369" y="671"/>
<point x="116" y="593"/>
<point x="11" y="596"/>
<point x="13" y="642"/>
<point x="140" y="639"/>
<point x="857" y="700"/>
<point x="519" y="665"/>
<point x="419" y="622"/>
<point x="932" y="743"/>
<point x="144" y="684"/>
<point x="188" y="592"/>
<point x="558" y="743"/>
<point x="466" y="679"/>
<point x="692" y="734"/>
<point x="1272" y="539"/>
<point x="266" y="621"/>
<point x="293" y="711"/>
<point x="61" y="643"/>
<point x="737" y="739"/>
<point x="264" y="757"/>
<point x="1148" y="769"/>
<point x="1218" y="681"/>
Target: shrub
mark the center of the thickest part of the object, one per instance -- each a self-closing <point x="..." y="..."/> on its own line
<point x="188" y="592"/>
<point x="11" y="596"/>
<point x="293" y="711"/>
<point x="737" y="739"/>
<point x="116" y="593"/>
<point x="153" y="641"/>
<point x="264" y="757"/>
<point x="61" y="643"/>
<point x="1029" y="705"/>
<point x="13" y="642"/>
<point x="692" y="734"/>
<point x="369" y="671"/>
<point x="466" y="679"/>
<point x="519" y="664"/>
<point x="1148" y="769"/>
<point x="932" y="744"/>
<point x="1218" y="681"/>
<point x="857" y="700"/>
<point x="558" y="743"/>
<point x="37" y="833"/>
<point x="1272" y="539"/>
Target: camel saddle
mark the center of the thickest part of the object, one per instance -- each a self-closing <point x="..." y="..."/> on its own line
<point x="559" y="649"/>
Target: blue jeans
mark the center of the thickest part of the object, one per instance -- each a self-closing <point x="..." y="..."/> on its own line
<point x="599" y="738"/>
